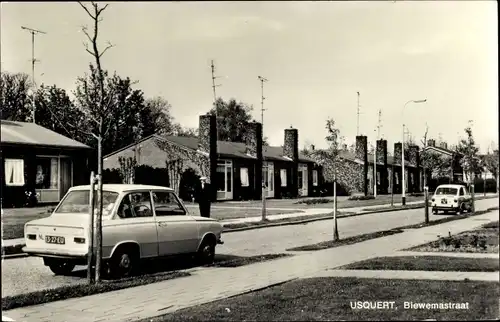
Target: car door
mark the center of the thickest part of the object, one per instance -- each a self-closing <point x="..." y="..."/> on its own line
<point x="134" y="222"/>
<point x="177" y="231"/>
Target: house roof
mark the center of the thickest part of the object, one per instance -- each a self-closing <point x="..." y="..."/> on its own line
<point x="23" y="133"/>
<point x="351" y="156"/>
<point x="224" y="148"/>
<point x="439" y="149"/>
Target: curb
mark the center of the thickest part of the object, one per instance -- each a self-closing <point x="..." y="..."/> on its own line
<point x="326" y="217"/>
<point x="329" y="216"/>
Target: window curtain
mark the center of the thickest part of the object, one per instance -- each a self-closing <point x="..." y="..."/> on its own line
<point x="315" y="177"/>
<point x="244" y="177"/>
<point x="54" y="173"/>
<point x="14" y="172"/>
<point x="283" y="177"/>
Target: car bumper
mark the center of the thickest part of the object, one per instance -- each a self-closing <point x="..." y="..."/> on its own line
<point x="54" y="253"/>
<point x="442" y="207"/>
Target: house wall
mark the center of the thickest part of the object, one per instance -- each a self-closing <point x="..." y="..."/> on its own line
<point x="15" y="196"/>
<point x="240" y="192"/>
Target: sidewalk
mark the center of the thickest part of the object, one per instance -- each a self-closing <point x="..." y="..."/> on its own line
<point x="216" y="283"/>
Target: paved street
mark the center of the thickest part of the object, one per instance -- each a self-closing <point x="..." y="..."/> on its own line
<point x="212" y="284"/>
<point x="29" y="274"/>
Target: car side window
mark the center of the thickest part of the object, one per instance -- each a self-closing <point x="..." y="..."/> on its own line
<point x="166" y="204"/>
<point x="462" y="191"/>
<point x="135" y="204"/>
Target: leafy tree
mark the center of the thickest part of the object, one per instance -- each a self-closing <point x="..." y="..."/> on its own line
<point x="55" y="111"/>
<point x="160" y="115"/>
<point x="232" y="117"/>
<point x="179" y="130"/>
<point x="467" y="148"/>
<point x="332" y="153"/>
<point x="490" y="162"/>
<point x="15" y="96"/>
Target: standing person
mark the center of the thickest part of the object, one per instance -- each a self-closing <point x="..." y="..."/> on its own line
<point x="203" y="197"/>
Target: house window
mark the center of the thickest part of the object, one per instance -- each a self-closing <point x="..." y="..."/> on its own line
<point x="315" y="177"/>
<point x="47" y="173"/>
<point x="300" y="177"/>
<point x="244" y="177"/>
<point x="283" y="177"/>
<point x="378" y="177"/>
<point x="14" y="172"/>
<point x="396" y="177"/>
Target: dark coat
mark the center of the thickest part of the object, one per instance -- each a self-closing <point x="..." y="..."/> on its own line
<point x="202" y="195"/>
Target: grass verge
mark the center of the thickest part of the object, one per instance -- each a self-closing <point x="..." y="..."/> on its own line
<point x="427" y="263"/>
<point x="12" y="250"/>
<point x="152" y="274"/>
<point x="395" y="208"/>
<point x="480" y="240"/>
<point x="323" y="298"/>
<point x="278" y="222"/>
<point x="364" y="237"/>
<point x="80" y="290"/>
<point x="346" y="241"/>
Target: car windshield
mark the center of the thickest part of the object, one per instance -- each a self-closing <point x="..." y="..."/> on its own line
<point x="446" y="191"/>
<point x="77" y="201"/>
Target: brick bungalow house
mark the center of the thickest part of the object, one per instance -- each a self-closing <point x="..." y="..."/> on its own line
<point x="355" y="169"/>
<point x="39" y="165"/>
<point x="232" y="168"/>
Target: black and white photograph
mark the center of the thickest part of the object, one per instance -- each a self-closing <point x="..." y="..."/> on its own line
<point x="249" y="161"/>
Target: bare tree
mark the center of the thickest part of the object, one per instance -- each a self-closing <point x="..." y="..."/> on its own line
<point x="103" y="103"/>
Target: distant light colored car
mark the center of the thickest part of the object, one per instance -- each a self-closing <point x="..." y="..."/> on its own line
<point x="138" y="222"/>
<point x="451" y="197"/>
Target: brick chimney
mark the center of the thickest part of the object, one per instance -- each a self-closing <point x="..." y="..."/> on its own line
<point x="253" y="142"/>
<point x="444" y="145"/>
<point x="312" y="147"/>
<point x="414" y="160"/>
<point x="291" y="150"/>
<point x="207" y="142"/>
<point x="431" y="142"/>
<point x="362" y="155"/>
<point x="382" y="165"/>
<point x="398" y="146"/>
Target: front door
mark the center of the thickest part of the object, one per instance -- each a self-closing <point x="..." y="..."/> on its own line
<point x="66" y="177"/>
<point x="177" y="231"/>
<point x="268" y="177"/>
<point x="224" y="180"/>
<point x="303" y="180"/>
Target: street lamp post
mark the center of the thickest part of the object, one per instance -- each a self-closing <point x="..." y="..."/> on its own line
<point x="403" y="182"/>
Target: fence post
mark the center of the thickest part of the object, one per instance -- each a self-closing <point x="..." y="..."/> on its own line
<point x="426" y="207"/>
<point x="91" y="229"/>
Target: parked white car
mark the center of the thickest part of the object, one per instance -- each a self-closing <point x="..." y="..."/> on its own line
<point x="138" y="222"/>
<point x="451" y="197"/>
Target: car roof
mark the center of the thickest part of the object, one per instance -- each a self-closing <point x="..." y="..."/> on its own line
<point x="118" y="188"/>
<point x="450" y="186"/>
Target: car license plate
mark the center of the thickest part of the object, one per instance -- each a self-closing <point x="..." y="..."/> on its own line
<point x="54" y="240"/>
<point x="444" y="201"/>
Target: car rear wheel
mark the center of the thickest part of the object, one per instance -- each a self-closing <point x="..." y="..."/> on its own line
<point x="60" y="267"/>
<point x="206" y="252"/>
<point x="461" y="209"/>
<point x="123" y="263"/>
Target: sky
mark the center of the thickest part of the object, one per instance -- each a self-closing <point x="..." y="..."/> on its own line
<point x="315" y="55"/>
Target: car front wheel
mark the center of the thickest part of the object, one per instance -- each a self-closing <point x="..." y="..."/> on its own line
<point x="123" y="263"/>
<point x="60" y="267"/>
<point x="206" y="252"/>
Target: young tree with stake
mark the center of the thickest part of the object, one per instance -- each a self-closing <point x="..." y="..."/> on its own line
<point x="102" y="103"/>
<point x="470" y="161"/>
<point x="331" y="157"/>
